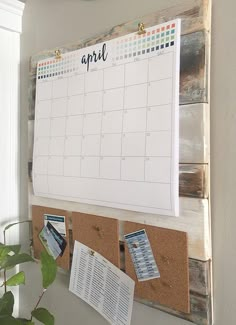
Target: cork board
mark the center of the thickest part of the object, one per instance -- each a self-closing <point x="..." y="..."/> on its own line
<point x="38" y="224"/>
<point x="99" y="233"/>
<point x="171" y="255"/>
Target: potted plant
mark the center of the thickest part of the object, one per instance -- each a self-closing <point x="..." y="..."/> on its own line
<point x="10" y="256"/>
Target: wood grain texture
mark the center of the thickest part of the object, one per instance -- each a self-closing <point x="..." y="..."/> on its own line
<point x="193" y="181"/>
<point x="199" y="277"/>
<point x="38" y="224"/>
<point x="193" y="68"/>
<point x="99" y="233"/>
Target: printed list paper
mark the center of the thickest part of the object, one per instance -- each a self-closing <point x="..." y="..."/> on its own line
<point x="102" y="285"/>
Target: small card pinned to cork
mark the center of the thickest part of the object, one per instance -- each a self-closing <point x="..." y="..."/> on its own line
<point x="142" y="256"/>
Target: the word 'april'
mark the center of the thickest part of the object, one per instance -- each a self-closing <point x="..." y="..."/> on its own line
<point x="94" y="57"/>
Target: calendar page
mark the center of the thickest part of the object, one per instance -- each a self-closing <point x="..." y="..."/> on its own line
<point x="107" y="123"/>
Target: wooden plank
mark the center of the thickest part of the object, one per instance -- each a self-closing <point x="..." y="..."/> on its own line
<point x="193" y="219"/>
<point x="199" y="277"/>
<point x="200" y="309"/>
<point x="193" y="180"/>
<point x="194" y="133"/>
<point x="193" y="68"/>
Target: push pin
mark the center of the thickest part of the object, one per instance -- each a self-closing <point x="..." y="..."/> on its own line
<point x="57" y="54"/>
<point x="135" y="245"/>
<point x="141" y="29"/>
<point x="99" y="230"/>
<point x="92" y="253"/>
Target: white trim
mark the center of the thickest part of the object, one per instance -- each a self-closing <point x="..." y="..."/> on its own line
<point x="11" y="12"/>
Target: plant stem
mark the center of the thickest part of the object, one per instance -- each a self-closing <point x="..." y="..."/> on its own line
<point x="38" y="302"/>
<point x="5" y="242"/>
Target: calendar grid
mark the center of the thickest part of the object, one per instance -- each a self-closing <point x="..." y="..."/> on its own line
<point x="110" y="126"/>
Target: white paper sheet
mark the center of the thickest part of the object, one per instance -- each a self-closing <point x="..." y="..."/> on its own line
<point x="102" y="285"/>
<point x="142" y="256"/>
<point x="107" y="123"/>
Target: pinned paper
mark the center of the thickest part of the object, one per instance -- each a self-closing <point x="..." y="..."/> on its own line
<point x="102" y="285"/>
<point x="53" y="242"/>
<point x="142" y="255"/>
<point x="58" y="223"/>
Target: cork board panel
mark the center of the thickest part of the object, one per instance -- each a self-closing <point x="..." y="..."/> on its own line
<point x="171" y="255"/>
<point x="99" y="233"/>
<point x="38" y="224"/>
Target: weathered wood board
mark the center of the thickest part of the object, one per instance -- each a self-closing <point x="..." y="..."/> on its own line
<point x="194" y="134"/>
<point x="193" y="180"/>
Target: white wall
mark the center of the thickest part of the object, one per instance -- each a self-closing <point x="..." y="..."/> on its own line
<point x="52" y="23"/>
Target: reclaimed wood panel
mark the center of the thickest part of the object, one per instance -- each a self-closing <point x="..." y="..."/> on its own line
<point x="199" y="277"/>
<point x="193" y="181"/>
<point x="193" y="68"/>
<point x="194" y="134"/>
<point x="194" y="147"/>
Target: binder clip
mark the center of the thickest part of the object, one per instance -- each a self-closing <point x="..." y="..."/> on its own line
<point x="141" y="29"/>
<point x="57" y="54"/>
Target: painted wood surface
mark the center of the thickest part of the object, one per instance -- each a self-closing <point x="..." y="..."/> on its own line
<point x="193" y="220"/>
<point x="194" y="134"/>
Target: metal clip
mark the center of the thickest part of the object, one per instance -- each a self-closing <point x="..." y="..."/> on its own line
<point x="141" y="29"/>
<point x="57" y="54"/>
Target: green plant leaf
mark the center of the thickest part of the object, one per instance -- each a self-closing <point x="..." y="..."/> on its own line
<point x="48" y="268"/>
<point x="43" y="316"/>
<point x="9" y="320"/>
<point x="16" y="279"/>
<point x="6" y="304"/>
<point x="11" y="261"/>
<point x="6" y="249"/>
